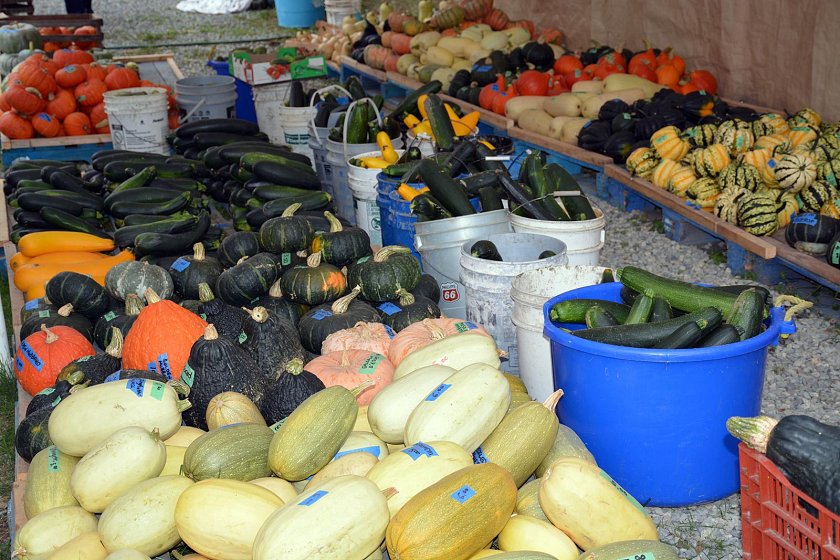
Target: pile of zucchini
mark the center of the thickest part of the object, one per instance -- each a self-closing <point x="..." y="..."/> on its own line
<point x="662" y="313"/>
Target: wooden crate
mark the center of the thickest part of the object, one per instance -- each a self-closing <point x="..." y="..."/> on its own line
<point x="16" y="7"/>
<point x="58" y="20"/>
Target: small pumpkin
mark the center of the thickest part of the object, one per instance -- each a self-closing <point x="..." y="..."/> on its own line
<point x="287" y="233"/>
<point x="135" y="277"/>
<point x="341" y="246"/>
<point x="42" y="355"/>
<point x="321" y="321"/>
<point x="277" y="304"/>
<point x="373" y="337"/>
<point x="77" y="124"/>
<point x="122" y="78"/>
<point x="292" y="387"/>
<point x="161" y="337"/>
<point x="65" y="316"/>
<point x="350" y="368"/>
<point x="227" y="319"/>
<point x="237" y="245"/>
<point x="496" y="19"/>
<point x="90" y="92"/>
<point x="380" y="278"/>
<point x="96" y="369"/>
<point x="70" y="76"/>
<point x="407" y="310"/>
<point x="190" y="271"/>
<point x="87" y="296"/>
<point x="16" y="127"/>
<point x="65" y="57"/>
<point x="230" y="407"/>
<point x="24" y="100"/>
<point x="122" y="319"/>
<point x="61" y="104"/>
<point x="271" y="340"/>
<point x="46" y="126"/>
<point x="315" y="283"/>
<point x="250" y="279"/>
<point x="34" y="75"/>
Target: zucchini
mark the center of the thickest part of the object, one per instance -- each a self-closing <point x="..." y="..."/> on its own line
<point x="14" y="177"/>
<point x="483" y="152"/>
<point x="123" y="209"/>
<point x="32" y="219"/>
<point x="210" y="139"/>
<point x="577" y="206"/>
<point x="150" y="159"/>
<point x="428" y="208"/>
<point x="574" y="310"/>
<point x="546" y="255"/>
<point x="34" y="184"/>
<point x="68" y="222"/>
<point x="442" y="130"/>
<point x="456" y="160"/>
<point x="445" y="189"/>
<point x="597" y="316"/>
<point x="629" y="295"/>
<point x="685" y="336"/>
<point x="173" y="243"/>
<point x="140" y="179"/>
<point x="65" y="181"/>
<point x="681" y="295"/>
<point x="296" y="96"/>
<point x="120" y="171"/>
<point x="535" y="173"/>
<point x="19" y="164"/>
<point x="646" y="335"/>
<point x="322" y="117"/>
<point x="399" y="169"/>
<point x="357" y="131"/>
<point x="724" y="334"/>
<point x="233" y="153"/>
<point x="285" y="175"/>
<point x="230" y="126"/>
<point x="747" y="313"/>
<point x="275" y="192"/>
<point x="142" y="219"/>
<point x="641" y="309"/>
<point x="34" y="201"/>
<point x="661" y="310"/>
<point x="146" y="194"/>
<point x="409" y="103"/>
<point x="250" y="159"/>
<point x="738" y="288"/>
<point x="483" y="249"/>
<point x="178" y="184"/>
<point x="490" y="199"/>
<point x="523" y="196"/>
<point x="310" y="200"/>
<point x="473" y="183"/>
<point x="354" y="88"/>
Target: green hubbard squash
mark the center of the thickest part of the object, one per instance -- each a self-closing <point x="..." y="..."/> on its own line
<point x="380" y="278"/>
<point x="321" y="321"/>
<point x="189" y="272"/>
<point x="341" y="246"/>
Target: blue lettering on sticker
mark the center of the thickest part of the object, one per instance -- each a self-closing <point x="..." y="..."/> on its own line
<point x="151" y="366"/>
<point x="374" y="450"/>
<point x="180" y="265"/>
<point x="31" y="356"/>
<point x="163" y="365"/>
<point x="113" y="377"/>
<point x="389" y="308"/>
<point x="390" y="331"/>
<point x="439" y="390"/>
<point x="479" y="457"/>
<point x="313" y="498"/>
<point x="463" y="494"/>
<point x="807" y="219"/>
<point x="31" y="304"/>
<point x="321" y="314"/>
<point x="18" y="363"/>
<point x="420" y="449"/>
<point x="136" y="386"/>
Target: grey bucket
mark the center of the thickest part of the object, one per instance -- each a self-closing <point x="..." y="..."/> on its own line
<point x="206" y="97"/>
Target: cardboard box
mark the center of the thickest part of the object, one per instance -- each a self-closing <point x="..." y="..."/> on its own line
<point x="271" y="68"/>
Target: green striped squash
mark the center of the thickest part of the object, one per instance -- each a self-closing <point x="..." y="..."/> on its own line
<point x="566" y="444"/>
<point x="757" y="214"/>
<point x="805" y="117"/>
<point x="528" y="500"/>
<point x="829" y="172"/>
<point x="704" y="191"/>
<point x="795" y="171"/>
<point x="622" y="550"/>
<point x="48" y="482"/>
<point x="736" y="135"/>
<point x="740" y="176"/>
<point x="522" y="439"/>
<point x="235" y="451"/>
<point x="816" y="195"/>
<point x="710" y="161"/>
<point x="701" y="135"/>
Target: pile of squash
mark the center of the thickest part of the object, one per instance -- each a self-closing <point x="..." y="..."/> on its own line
<point x="753" y="170"/>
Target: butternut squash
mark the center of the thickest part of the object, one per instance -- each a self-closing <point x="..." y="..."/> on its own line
<point x="572" y="128"/>
<point x="517" y="105"/>
<point x="617" y="82"/>
<point x="555" y="129"/>
<point x="535" y="120"/>
<point x="42" y="242"/>
<point x="458" y="46"/>
<point x="564" y="105"/>
<point x="592" y="106"/>
<point x="593" y="86"/>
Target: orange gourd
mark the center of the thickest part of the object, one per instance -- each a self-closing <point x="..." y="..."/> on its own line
<point x="70" y="76"/>
<point x="33" y="75"/>
<point x="77" y="124"/>
<point x="567" y="63"/>
<point x="645" y="58"/>
<point x="4" y="105"/>
<point x="63" y="57"/>
<point x="705" y="80"/>
<point x="371" y="337"/>
<point x="421" y="334"/>
<point x="40" y="358"/>
<point x="98" y="117"/>
<point x="121" y="78"/>
<point x="45" y="125"/>
<point x="24" y="100"/>
<point x="679" y="64"/>
<point x="391" y="62"/>
<point x="30" y="275"/>
<point x="15" y="127"/>
<point x="497" y="19"/>
<point x="61" y="104"/>
<point x="396" y="20"/>
<point x="667" y="75"/>
<point x="90" y="92"/>
<point x="162" y="337"/>
<point x="43" y="61"/>
<point x="351" y="368"/>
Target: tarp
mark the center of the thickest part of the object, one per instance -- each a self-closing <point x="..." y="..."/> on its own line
<point x="772" y="53"/>
<point x="213" y="6"/>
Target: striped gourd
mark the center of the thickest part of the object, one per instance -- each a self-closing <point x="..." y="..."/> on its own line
<point x="829" y="139"/>
<point x="701" y="135"/>
<point x="708" y="162"/>
<point x="757" y="214"/>
<point x="704" y="192"/>
<point x="786" y="207"/>
<point x="680" y="180"/>
<point x="803" y="136"/>
<point x="778" y="142"/>
<point x="528" y="500"/>
<point x="769" y="123"/>
<point x="642" y="161"/>
<point x="741" y="176"/>
<point x="726" y="205"/>
<point x="662" y="173"/>
<point x="522" y="439"/>
<point x="689" y="158"/>
<point x="816" y="195"/>
<point x="736" y="135"/>
<point x="830" y="209"/>
<point x="669" y="144"/>
<point x="795" y="172"/>
<point x="455" y="517"/>
<point x="806" y="116"/>
<point x="759" y="159"/>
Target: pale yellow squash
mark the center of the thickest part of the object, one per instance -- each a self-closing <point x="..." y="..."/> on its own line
<point x="174" y="460"/>
<point x="358" y="464"/>
<point x="362" y="422"/>
<point x="86" y="546"/>
<point x="127" y="554"/>
<point x="283" y="489"/>
<point x="523" y="532"/>
<point x="566" y="444"/>
<point x="456" y="351"/>
<point x="363" y="442"/>
<point x="48" y="531"/>
<point x="231" y="407"/>
<point x="48" y="482"/>
<point x="184" y="436"/>
<point x="528" y="500"/>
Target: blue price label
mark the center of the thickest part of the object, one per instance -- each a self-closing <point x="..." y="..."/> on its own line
<point x="113" y="377"/>
<point x="136" y="386"/>
<point x="313" y="498"/>
<point x="389" y="331"/>
<point x="163" y="365"/>
<point x="31" y="304"/>
<point x="807" y="219"/>
<point x="31" y="356"/>
<point x="463" y="494"/>
<point x="180" y="265"/>
<point x="479" y="457"/>
<point x="420" y="449"/>
<point x="321" y="314"/>
<point x="389" y="308"/>
<point x="439" y="390"/>
<point x="374" y="450"/>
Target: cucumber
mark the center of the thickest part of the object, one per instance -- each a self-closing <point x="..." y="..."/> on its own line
<point x="681" y="295"/>
<point x="409" y="103"/>
<point x="685" y="336"/>
<point x="442" y="130"/>
<point x="210" y="139"/>
<point x="724" y="334"/>
<point x="490" y="199"/>
<point x="286" y="175"/>
<point x="428" y="208"/>
<point x="173" y="243"/>
<point x="250" y="159"/>
<point x="231" y="126"/>
<point x="646" y="335"/>
<point x="747" y="313"/>
<point x="66" y="221"/>
<point x="141" y="178"/>
<point x="445" y="189"/>
<point x="357" y="131"/>
<point x="123" y="209"/>
<point x="574" y="310"/>
<point x="597" y="316"/>
<point x="661" y="310"/>
<point x="483" y="249"/>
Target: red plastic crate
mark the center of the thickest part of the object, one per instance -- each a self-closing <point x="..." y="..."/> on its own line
<point x="778" y="521"/>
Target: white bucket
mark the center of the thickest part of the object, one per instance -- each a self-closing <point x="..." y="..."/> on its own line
<point x="424" y="142"/>
<point x="138" y="119"/>
<point x="529" y="292"/>
<point x="318" y="139"/>
<point x="439" y="243"/>
<point x="206" y="97"/>
<point x="338" y="9"/>
<point x="362" y="183"/>
<point x="267" y="102"/>
<point x="487" y="284"/>
<point x="584" y="239"/>
<point x="295" y="123"/>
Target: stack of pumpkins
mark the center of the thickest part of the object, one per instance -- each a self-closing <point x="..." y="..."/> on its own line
<point x="62" y="95"/>
<point x="753" y="173"/>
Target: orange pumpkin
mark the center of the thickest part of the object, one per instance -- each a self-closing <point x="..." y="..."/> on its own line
<point x="667" y="75"/>
<point x="567" y="63"/>
<point x="70" y="76"/>
<point x="173" y="116"/>
<point x="86" y="30"/>
<point x="15" y="127"/>
<point x="61" y="104"/>
<point x="36" y="76"/>
<point x="77" y="124"/>
<point x="497" y="19"/>
<point x="98" y="117"/>
<point x="401" y="43"/>
<point x="63" y="57"/>
<point x="421" y="334"/>
<point x="375" y="55"/>
<point x="162" y="336"/>
<point x="391" y="62"/>
<point x="4" y="105"/>
<point x="386" y="38"/>
<point x="45" y="125"/>
<point x="24" y="100"/>
<point x="351" y="368"/>
<point x="43" y="61"/>
<point x="40" y="358"/>
<point x="95" y="71"/>
<point x="371" y="337"/>
<point x="121" y="78"/>
<point x="90" y="92"/>
<point x="396" y="20"/>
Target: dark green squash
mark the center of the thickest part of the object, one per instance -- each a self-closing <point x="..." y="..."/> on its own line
<point x="380" y="278"/>
<point x="32" y="434"/>
<point x="341" y="246"/>
<point x="99" y="366"/>
<point x="84" y="293"/>
<point x="35" y="306"/>
<point x="218" y="364"/>
<point x="539" y="54"/>
<point x="145" y="374"/>
<point x="270" y="340"/>
<point x="237" y="245"/>
<point x="811" y="233"/>
<point x="427" y="287"/>
<point x="191" y="305"/>
<point x="408" y="309"/>
<point x="277" y="304"/>
<point x="293" y="386"/>
<point x="65" y="316"/>
<point x="133" y="277"/>
<point x="619" y="144"/>
<point x="314" y="283"/>
<point x="123" y="320"/>
<point x="188" y="272"/>
<point x="226" y="318"/>
<point x="248" y="280"/>
<point x="287" y="233"/>
<point x="594" y="136"/>
<point x="320" y="322"/>
<point x="51" y="396"/>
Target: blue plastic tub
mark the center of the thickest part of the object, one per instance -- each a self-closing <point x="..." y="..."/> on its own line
<point x="396" y="219"/>
<point x="655" y="419"/>
<point x="244" y="95"/>
<point x="299" y="13"/>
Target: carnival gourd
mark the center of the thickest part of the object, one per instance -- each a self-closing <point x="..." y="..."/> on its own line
<point x="349" y="368"/>
<point x="380" y="278"/>
<point x="315" y="283"/>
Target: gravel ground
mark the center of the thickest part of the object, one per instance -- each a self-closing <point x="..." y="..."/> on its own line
<point x="799" y="379"/>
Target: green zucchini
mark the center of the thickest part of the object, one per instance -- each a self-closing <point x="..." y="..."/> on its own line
<point x="143" y="219"/>
<point x="428" y="208"/>
<point x="233" y="153"/>
<point x="661" y="310"/>
<point x="646" y="335"/>
<point x="354" y="88"/>
<point x="747" y="313"/>
<point x="461" y="154"/>
<point x="31" y="219"/>
<point x="231" y="126"/>
<point x="146" y="194"/>
<point x="483" y="152"/>
<point x="19" y="164"/>
<point x="173" y="243"/>
<point x="484" y="249"/>
<point x="311" y="200"/>
<point x="641" y="309"/>
<point x="35" y="184"/>
<point x="685" y="336"/>
<point x="16" y="233"/>
<point x="123" y="209"/>
<point x="629" y="295"/>
<point x="577" y="206"/>
<point x="285" y="175"/>
<point x="357" y="132"/>
<point x="210" y="139"/>
<point x="68" y="222"/>
<point x="546" y="255"/>
<point x="399" y="169"/>
<point x="34" y="201"/>
<point x="445" y="189"/>
<point x="522" y="195"/>
<point x="409" y="103"/>
<point x="574" y="310"/>
<point x="250" y="159"/>
<point x="65" y="181"/>
<point x="178" y="184"/>
<point x="121" y="170"/>
<point x="276" y="192"/>
<point x="140" y="179"/>
<point x="490" y="199"/>
<point x="681" y="295"/>
<point x="442" y="130"/>
<point x="150" y="159"/>
<point x="473" y="183"/>
<point x="597" y="316"/>
<point x="738" y="288"/>
<point x="724" y="334"/>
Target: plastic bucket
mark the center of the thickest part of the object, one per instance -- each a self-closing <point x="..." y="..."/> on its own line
<point x="655" y="420"/>
<point x="424" y="142"/>
<point x="439" y="243"/>
<point x="244" y="94"/>
<point x="318" y="145"/>
<point x="299" y="13"/>
<point x="138" y="119"/>
<point x="338" y="9"/>
<point x="267" y="102"/>
<point x="295" y="123"/>
<point x="363" y="183"/>
<point x="584" y="239"/>
<point x="487" y="283"/>
<point x="529" y="292"/>
<point x="206" y="97"/>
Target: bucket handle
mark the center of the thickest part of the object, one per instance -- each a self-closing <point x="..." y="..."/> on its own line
<point x="347" y="120"/>
<point x="326" y="89"/>
<point x="194" y="109"/>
